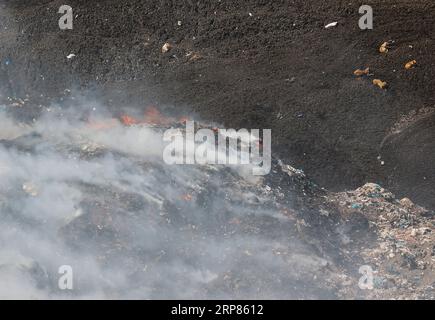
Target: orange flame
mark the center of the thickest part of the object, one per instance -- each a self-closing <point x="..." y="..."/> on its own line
<point x="152" y="116"/>
<point x="129" y="121"/>
<point x="102" y="125"/>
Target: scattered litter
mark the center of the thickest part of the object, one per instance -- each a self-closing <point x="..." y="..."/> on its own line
<point x="381" y="84"/>
<point x="187" y="197"/>
<point x="330" y="25"/>
<point x="383" y="48"/>
<point x="30" y="189"/>
<point x="70" y="56"/>
<point x="410" y="64"/>
<point x="166" y="47"/>
<point x="356" y="206"/>
<point x="359" y="72"/>
<point x="324" y="212"/>
<point x="407" y="203"/>
<point x="18" y="103"/>
<point x="193" y="56"/>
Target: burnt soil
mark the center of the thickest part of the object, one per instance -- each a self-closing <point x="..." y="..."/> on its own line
<point x="251" y="64"/>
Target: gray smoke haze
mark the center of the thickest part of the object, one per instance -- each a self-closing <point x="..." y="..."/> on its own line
<point x="97" y="196"/>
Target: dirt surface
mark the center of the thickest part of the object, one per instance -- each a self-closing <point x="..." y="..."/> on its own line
<point x="252" y="64"/>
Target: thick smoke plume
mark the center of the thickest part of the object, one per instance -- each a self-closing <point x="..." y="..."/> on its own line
<point x="83" y="190"/>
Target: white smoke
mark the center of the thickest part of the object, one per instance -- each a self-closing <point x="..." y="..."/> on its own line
<point x="96" y="195"/>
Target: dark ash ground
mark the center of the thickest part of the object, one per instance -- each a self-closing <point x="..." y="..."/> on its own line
<point x="278" y="69"/>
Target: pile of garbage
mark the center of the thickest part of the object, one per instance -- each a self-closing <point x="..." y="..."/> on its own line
<point x="403" y="255"/>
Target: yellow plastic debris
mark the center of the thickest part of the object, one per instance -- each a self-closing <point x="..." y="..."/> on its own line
<point x="381" y="84"/>
<point x="359" y="72"/>
<point x="410" y="64"/>
<point x="383" y="48"/>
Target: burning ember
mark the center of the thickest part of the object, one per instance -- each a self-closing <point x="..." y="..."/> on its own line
<point x="129" y="121"/>
<point x="152" y="116"/>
